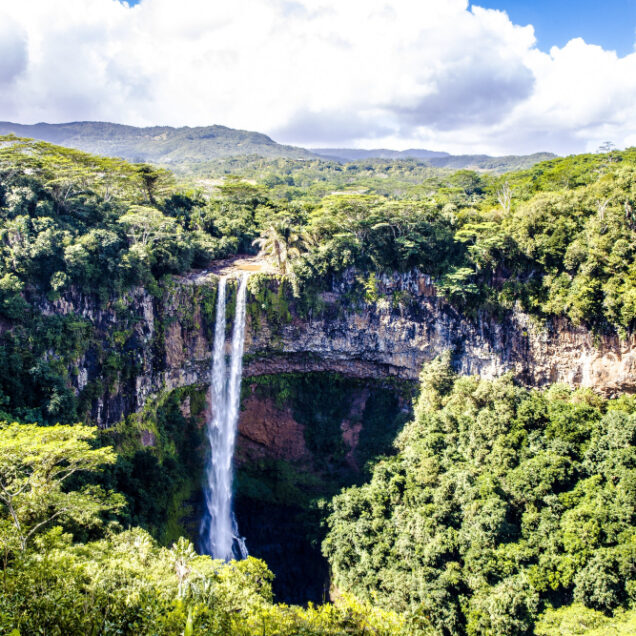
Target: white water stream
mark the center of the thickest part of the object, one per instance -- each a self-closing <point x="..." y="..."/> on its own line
<point x="219" y="530"/>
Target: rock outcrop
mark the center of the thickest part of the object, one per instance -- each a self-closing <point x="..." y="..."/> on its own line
<point x="169" y="340"/>
<point x="266" y="430"/>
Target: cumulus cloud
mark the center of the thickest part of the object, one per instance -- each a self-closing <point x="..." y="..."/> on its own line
<point x="398" y="73"/>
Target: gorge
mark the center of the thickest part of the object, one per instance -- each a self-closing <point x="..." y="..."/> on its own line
<point x="357" y="355"/>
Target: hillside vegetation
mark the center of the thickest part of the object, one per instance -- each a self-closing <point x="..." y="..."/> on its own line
<point x="69" y="568"/>
<point x="555" y="240"/>
<point x="156" y="144"/>
<point x="438" y="159"/>
<point x="502" y="510"/>
<point x="500" y="502"/>
<point x="194" y="150"/>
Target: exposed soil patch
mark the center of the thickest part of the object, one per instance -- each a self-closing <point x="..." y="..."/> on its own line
<point x="234" y="266"/>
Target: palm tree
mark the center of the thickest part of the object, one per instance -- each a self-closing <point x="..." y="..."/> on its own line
<point x="281" y="244"/>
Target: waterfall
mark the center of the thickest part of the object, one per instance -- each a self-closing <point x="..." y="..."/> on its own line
<point x="219" y="530"/>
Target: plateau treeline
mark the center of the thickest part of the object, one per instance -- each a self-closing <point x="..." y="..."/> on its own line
<point x="555" y="240"/>
<point x="501" y="510"/>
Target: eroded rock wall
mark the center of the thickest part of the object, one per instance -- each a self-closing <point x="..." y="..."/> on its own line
<point x="168" y="341"/>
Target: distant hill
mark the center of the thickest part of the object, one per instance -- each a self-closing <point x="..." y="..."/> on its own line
<point x="187" y="149"/>
<point x="157" y="144"/>
<point x="357" y="154"/>
<point x="437" y="159"/>
<point x="506" y="163"/>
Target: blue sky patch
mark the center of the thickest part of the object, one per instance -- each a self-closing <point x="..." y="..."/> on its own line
<point x="610" y="23"/>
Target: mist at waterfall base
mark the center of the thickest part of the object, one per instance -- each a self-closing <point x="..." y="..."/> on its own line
<point x="219" y="535"/>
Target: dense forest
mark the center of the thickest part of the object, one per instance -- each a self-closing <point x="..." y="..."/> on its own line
<point x="500" y="502"/>
<point x="499" y="509"/>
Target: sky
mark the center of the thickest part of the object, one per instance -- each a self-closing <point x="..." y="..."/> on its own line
<point x="610" y="24"/>
<point x="497" y="76"/>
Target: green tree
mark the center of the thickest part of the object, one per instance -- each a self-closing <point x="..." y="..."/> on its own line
<point x="36" y="464"/>
<point x="281" y="244"/>
<point x="12" y="304"/>
<point x="146" y="225"/>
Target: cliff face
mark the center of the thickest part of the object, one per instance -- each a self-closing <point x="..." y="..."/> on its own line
<point x="168" y="341"/>
<point x="267" y="430"/>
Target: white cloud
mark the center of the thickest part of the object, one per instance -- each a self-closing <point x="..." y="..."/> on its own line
<point x="13" y="61"/>
<point x="399" y="73"/>
<point x="13" y="50"/>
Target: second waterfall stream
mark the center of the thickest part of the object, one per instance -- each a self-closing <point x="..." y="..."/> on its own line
<point x="219" y="531"/>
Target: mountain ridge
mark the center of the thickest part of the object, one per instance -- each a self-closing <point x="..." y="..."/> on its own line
<point x="157" y="144"/>
<point x="355" y="154"/>
<point x="178" y="146"/>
